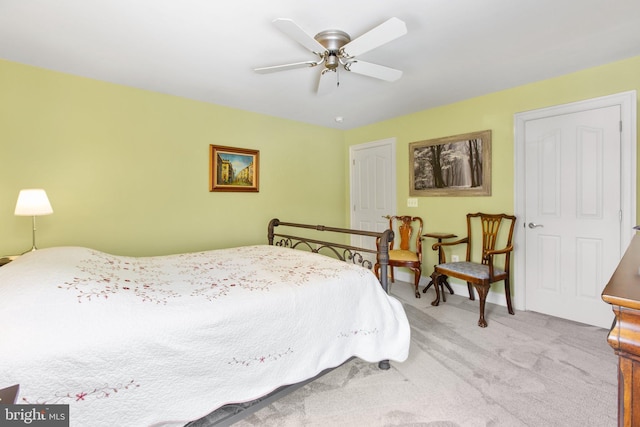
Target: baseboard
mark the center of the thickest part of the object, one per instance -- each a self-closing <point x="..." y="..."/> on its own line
<point x="459" y="288"/>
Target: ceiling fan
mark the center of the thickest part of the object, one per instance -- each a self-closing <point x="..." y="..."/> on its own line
<point x="335" y="48"/>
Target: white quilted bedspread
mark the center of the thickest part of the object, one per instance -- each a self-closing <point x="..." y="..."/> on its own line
<point x="161" y="340"/>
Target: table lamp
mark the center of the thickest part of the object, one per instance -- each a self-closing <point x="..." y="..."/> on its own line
<point x="33" y="202"/>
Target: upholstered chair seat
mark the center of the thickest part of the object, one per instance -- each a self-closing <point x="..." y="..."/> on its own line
<point x="400" y="255"/>
<point x="480" y="271"/>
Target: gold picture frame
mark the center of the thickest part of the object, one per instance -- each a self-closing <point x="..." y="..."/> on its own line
<point x="458" y="165"/>
<point x="233" y="169"/>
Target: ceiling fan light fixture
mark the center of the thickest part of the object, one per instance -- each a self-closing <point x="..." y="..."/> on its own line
<point x="335" y="48"/>
<point x="331" y="61"/>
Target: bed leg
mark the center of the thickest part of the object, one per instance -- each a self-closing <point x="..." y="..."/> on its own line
<point x="384" y="365"/>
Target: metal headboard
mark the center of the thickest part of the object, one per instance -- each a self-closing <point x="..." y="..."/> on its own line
<point x="344" y="252"/>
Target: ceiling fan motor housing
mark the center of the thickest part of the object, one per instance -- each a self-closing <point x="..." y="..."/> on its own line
<point x="333" y="41"/>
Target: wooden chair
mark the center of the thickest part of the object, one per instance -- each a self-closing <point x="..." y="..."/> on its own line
<point x="408" y="231"/>
<point x="483" y="269"/>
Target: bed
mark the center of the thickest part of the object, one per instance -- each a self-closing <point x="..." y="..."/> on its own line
<point x="168" y="339"/>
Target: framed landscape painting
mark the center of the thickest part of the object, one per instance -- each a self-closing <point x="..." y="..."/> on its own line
<point x="233" y="169"/>
<point x="458" y="165"/>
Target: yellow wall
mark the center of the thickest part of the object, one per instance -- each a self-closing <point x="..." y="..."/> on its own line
<point x="126" y="170"/>
<point x="494" y="111"/>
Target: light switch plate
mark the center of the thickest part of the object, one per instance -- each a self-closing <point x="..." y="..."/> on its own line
<point x="412" y="202"/>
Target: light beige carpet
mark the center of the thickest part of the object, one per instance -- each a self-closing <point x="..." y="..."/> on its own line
<point x="524" y="370"/>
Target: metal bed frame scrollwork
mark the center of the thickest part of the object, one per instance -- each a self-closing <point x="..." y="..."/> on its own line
<point x="343" y="252"/>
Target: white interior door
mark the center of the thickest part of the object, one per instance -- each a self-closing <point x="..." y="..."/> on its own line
<point x="576" y="203"/>
<point x="573" y="213"/>
<point x="373" y="187"/>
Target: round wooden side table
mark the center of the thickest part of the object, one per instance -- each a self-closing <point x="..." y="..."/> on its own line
<point x="440" y="237"/>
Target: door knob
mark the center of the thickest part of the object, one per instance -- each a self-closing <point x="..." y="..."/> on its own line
<point x="534" y="225"/>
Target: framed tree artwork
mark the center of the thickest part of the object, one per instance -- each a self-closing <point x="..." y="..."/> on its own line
<point x="458" y="165"/>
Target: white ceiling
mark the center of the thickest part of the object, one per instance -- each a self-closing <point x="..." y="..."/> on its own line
<point x="207" y="49"/>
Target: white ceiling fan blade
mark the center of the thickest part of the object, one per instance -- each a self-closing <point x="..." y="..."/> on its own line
<point x="382" y="34"/>
<point x="328" y="81"/>
<point x="264" y="70"/>
<point x="292" y="29"/>
<point x="374" y="70"/>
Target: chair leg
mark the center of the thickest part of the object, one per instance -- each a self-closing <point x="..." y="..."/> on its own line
<point x="417" y="272"/>
<point x="507" y="293"/>
<point x="472" y="296"/>
<point x="482" y="293"/>
<point x="391" y="272"/>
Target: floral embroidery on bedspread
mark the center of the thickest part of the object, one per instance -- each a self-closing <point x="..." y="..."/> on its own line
<point x="360" y="332"/>
<point x="102" y="392"/>
<point x="103" y="275"/>
<point x="248" y="268"/>
<point x="210" y="275"/>
<point x="271" y="357"/>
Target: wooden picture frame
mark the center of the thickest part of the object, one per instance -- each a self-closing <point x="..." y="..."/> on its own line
<point x="233" y="169"/>
<point x="458" y="165"/>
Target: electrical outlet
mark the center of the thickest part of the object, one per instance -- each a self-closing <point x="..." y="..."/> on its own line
<point x="412" y="202"/>
<point x="455" y="258"/>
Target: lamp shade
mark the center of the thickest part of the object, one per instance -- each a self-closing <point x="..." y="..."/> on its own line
<point x="33" y="202"/>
